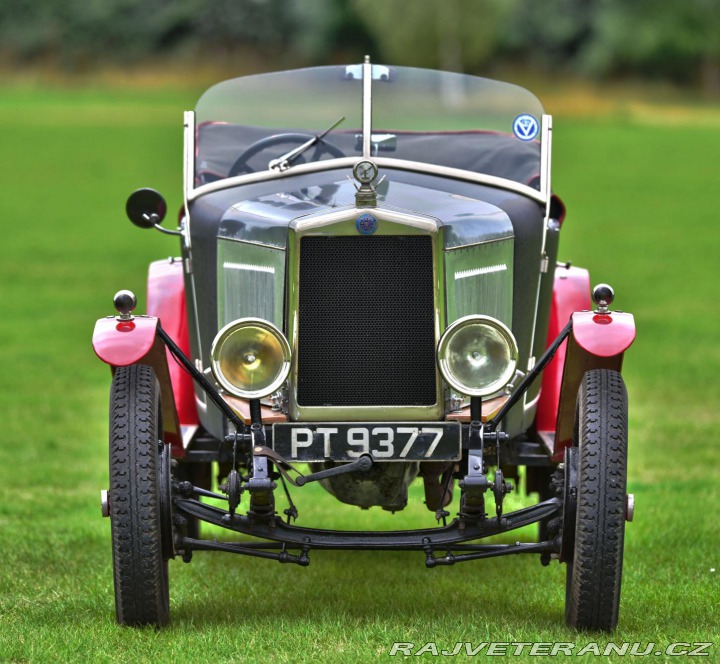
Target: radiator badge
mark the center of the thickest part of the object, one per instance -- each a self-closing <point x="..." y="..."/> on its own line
<point x="366" y="224"/>
<point x="526" y="127"/>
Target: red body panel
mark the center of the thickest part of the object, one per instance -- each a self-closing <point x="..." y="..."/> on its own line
<point x="166" y="300"/>
<point x="598" y="341"/>
<point x="121" y="343"/>
<point x="604" y="335"/>
<point x="571" y="293"/>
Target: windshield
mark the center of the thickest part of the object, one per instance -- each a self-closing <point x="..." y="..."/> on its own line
<point x="277" y="121"/>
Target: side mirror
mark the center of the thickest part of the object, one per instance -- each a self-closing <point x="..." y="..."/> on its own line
<point x="146" y="208"/>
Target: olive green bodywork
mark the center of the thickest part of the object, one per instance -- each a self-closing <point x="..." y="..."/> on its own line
<point x="245" y="257"/>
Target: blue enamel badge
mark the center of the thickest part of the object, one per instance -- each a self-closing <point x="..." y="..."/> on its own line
<point x="366" y="224"/>
<point x="526" y="127"/>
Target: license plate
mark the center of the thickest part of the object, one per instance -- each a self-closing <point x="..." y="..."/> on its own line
<point x="399" y="441"/>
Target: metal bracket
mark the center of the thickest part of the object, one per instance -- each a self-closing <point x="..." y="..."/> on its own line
<point x="474" y="484"/>
<point x="532" y="374"/>
<point x="500" y="489"/>
<point x="168" y="231"/>
<point x="487" y="551"/>
<point x="379" y="73"/>
<point x="248" y="549"/>
<point x="198" y="377"/>
<point x="475" y="479"/>
<point x="260" y="479"/>
<point x="261" y="487"/>
<point x="363" y="464"/>
<point x="233" y="489"/>
<point x="438" y="538"/>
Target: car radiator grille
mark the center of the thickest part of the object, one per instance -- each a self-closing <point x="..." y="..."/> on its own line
<point x="366" y="331"/>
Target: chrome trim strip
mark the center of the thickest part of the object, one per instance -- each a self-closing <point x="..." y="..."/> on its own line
<point x="459" y="174"/>
<point x="367" y="107"/>
<point x="464" y="274"/>
<point x="387" y="162"/>
<point x="200" y="404"/>
<point x="316" y="222"/>
<point x="187" y="433"/>
<point x="529" y="409"/>
<point x="224" y="238"/>
<point x="189" y="154"/>
<point x="262" y="176"/>
<point x="545" y="150"/>
<point x="250" y="268"/>
<point x="545" y="172"/>
<point x="188" y="182"/>
<point x="546" y="189"/>
<point x="534" y="325"/>
<point x="478" y="244"/>
<point x="529" y="405"/>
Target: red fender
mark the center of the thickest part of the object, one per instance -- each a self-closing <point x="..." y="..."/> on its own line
<point x="604" y="335"/>
<point x="597" y="341"/>
<point x="121" y="343"/>
<point x="571" y="292"/>
<point x="166" y="300"/>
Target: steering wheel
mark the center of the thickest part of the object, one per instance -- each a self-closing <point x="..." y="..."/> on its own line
<point x="241" y="165"/>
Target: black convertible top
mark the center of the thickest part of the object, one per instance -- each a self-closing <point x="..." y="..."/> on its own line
<point x="490" y="153"/>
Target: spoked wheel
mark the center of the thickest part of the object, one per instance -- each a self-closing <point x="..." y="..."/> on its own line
<point x="140" y="497"/>
<point x="594" y="568"/>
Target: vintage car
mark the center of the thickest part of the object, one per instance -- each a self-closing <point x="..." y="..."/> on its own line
<point x="368" y="295"/>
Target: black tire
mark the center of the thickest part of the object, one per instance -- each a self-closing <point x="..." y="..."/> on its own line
<point x="137" y="522"/>
<point x="594" y="573"/>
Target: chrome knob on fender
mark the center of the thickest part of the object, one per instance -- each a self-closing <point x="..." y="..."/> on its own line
<point x="603" y="295"/>
<point x="125" y="303"/>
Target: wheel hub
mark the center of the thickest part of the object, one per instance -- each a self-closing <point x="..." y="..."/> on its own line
<point x="165" y="501"/>
<point x="569" y="494"/>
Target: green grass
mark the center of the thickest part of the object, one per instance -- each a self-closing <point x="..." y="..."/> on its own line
<point x="642" y="215"/>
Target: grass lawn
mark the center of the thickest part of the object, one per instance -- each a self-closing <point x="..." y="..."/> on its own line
<point x="642" y="199"/>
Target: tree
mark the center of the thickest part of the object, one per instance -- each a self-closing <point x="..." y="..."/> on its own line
<point x="458" y="35"/>
<point x="659" y="38"/>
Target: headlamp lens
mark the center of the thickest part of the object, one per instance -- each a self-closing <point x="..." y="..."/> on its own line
<point x="478" y="355"/>
<point x="250" y="358"/>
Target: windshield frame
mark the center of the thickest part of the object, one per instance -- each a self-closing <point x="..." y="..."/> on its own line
<point x="368" y="73"/>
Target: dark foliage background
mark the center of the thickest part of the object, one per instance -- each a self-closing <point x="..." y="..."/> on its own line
<point x="656" y="39"/>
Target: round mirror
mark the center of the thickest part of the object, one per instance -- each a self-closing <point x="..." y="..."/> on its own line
<point x="145" y="208"/>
